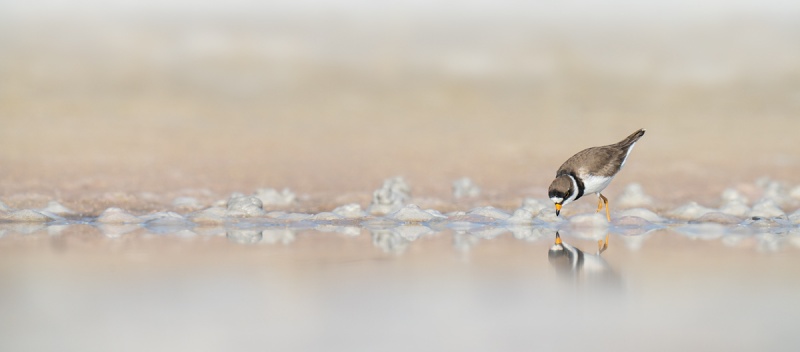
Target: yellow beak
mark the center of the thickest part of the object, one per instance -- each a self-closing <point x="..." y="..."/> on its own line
<point x="558" y="208"/>
<point x="558" y="238"/>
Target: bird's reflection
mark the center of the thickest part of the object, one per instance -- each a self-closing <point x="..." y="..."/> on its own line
<point x="256" y="236"/>
<point x="389" y="241"/>
<point x="581" y="267"/>
<point x="244" y="236"/>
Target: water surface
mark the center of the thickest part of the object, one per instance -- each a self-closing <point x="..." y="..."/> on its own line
<point x="83" y="288"/>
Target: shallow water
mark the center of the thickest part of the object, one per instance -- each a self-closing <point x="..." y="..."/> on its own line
<point x="83" y="288"/>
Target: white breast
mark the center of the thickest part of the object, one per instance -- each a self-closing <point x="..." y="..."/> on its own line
<point x="595" y="184"/>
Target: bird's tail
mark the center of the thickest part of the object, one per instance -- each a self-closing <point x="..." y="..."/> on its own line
<point x="632" y="138"/>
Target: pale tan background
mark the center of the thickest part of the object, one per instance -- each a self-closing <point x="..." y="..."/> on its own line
<point x="133" y="105"/>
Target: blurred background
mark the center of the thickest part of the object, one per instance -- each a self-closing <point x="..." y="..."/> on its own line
<point x="330" y="98"/>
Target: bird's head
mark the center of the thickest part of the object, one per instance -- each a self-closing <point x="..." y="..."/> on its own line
<point x="561" y="192"/>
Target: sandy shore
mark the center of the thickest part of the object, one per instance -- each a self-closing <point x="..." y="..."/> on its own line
<point x="134" y="115"/>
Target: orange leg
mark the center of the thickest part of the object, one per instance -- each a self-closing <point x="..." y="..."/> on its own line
<point x="602" y="246"/>
<point x="599" y="204"/>
<point x="604" y="200"/>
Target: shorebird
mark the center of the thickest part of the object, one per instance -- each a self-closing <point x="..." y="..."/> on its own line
<point x="590" y="171"/>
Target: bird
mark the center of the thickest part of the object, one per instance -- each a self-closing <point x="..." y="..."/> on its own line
<point x="590" y="171"/>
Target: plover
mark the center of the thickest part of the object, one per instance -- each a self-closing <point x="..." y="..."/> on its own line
<point x="590" y="171"/>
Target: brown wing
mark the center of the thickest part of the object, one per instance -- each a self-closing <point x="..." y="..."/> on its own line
<point x="603" y="160"/>
<point x="628" y="141"/>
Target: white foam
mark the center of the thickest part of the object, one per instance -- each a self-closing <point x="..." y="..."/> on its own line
<point x="633" y="196"/>
<point x="732" y="195"/>
<point x="689" y="211"/>
<point x="735" y="208"/>
<point x="631" y="221"/>
<point x="350" y="211"/>
<point x="436" y="213"/>
<point x="270" y="196"/>
<point x="795" y="217"/>
<point x="759" y="222"/>
<point x="326" y="216"/>
<point x="28" y="215"/>
<point x="766" y="208"/>
<point x="520" y="216"/>
<point x="187" y="203"/>
<point x="489" y="212"/>
<point x="775" y="191"/>
<point x="593" y="220"/>
<point x="275" y="214"/>
<point x="213" y="215"/>
<point x="165" y="218"/>
<point x="465" y="188"/>
<point x="719" y="218"/>
<point x="244" y="206"/>
<point x="223" y="203"/>
<point x="117" y="216"/>
<point x="294" y="217"/>
<point x="795" y="193"/>
<point x="534" y="206"/>
<point x="548" y="215"/>
<point x="412" y="213"/>
<point x="56" y="208"/>
<point x="641" y="213"/>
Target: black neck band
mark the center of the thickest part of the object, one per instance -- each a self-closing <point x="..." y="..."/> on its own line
<point x="581" y="187"/>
